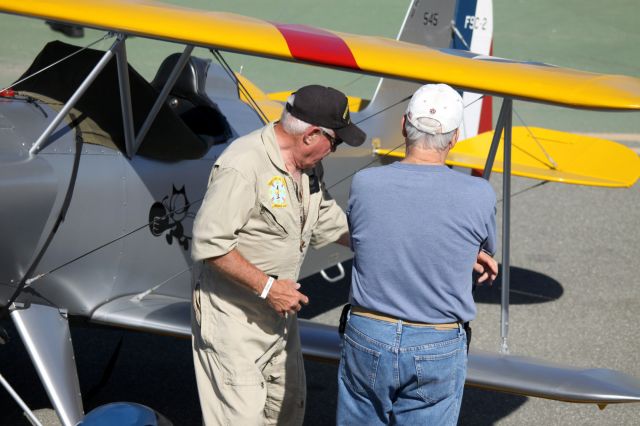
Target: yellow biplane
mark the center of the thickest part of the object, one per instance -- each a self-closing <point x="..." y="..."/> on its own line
<point x="105" y="170"/>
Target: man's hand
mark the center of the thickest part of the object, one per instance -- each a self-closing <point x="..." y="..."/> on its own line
<point x="486" y="267"/>
<point x="344" y="240"/>
<point x="285" y="298"/>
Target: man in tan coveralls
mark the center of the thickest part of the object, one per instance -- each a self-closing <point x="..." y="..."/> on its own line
<point x="265" y="204"/>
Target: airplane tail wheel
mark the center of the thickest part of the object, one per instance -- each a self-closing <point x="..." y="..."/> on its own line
<point x="125" y="414"/>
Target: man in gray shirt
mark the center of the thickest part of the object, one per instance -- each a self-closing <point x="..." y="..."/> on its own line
<point x="417" y="228"/>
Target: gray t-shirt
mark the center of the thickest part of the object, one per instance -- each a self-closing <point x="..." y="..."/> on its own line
<point x="416" y="231"/>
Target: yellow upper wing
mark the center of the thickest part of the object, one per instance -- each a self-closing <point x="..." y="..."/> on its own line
<point x="366" y="54"/>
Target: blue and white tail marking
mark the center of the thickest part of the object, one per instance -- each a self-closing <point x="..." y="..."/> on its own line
<point x="473" y="31"/>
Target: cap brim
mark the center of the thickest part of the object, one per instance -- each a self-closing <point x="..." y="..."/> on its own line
<point x="351" y="135"/>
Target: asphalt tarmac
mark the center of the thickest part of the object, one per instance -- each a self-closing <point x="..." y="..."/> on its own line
<point x="575" y="250"/>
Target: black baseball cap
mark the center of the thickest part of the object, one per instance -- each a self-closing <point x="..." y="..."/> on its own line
<point x="326" y="107"/>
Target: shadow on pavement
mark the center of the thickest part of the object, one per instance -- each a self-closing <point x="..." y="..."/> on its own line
<point x="526" y="287"/>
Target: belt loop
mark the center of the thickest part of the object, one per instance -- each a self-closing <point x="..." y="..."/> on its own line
<point x="399" y="327"/>
<point x="460" y="329"/>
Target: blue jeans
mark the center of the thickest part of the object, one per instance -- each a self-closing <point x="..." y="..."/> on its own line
<point x="391" y="373"/>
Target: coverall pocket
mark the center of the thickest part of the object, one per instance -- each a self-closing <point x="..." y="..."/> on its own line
<point x="204" y="318"/>
<point x="245" y="395"/>
<point x="197" y="306"/>
<point x="270" y="219"/>
<point x="245" y="379"/>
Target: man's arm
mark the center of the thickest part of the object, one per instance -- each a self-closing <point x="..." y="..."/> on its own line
<point x="283" y="297"/>
<point x="226" y="209"/>
<point x="486" y="266"/>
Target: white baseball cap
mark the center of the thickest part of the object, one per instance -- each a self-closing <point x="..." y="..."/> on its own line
<point x="437" y="102"/>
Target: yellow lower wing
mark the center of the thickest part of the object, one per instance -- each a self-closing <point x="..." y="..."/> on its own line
<point x="271" y="104"/>
<point x="249" y="93"/>
<point x="552" y="156"/>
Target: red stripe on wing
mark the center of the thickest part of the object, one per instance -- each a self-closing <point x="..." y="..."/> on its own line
<point x="316" y="45"/>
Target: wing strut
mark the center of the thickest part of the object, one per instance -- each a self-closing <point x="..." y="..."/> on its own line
<point x="75" y="97"/>
<point x="25" y="409"/>
<point x="175" y="73"/>
<point x="125" y="94"/>
<point x="45" y="333"/>
<point x="504" y="124"/>
<point x="132" y="142"/>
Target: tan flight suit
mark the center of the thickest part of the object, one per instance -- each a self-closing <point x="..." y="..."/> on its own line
<point x="247" y="358"/>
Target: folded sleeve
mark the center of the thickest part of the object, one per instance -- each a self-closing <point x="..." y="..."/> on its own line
<point x="226" y="208"/>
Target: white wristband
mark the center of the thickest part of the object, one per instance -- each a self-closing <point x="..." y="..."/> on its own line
<point x="267" y="287"/>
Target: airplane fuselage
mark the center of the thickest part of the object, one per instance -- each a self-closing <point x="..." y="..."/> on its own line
<point x="128" y="226"/>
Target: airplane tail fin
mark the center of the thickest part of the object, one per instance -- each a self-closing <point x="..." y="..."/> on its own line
<point x="473" y="31"/>
<point x="464" y="25"/>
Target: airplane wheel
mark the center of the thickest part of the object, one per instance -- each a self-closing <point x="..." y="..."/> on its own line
<point x="125" y="414"/>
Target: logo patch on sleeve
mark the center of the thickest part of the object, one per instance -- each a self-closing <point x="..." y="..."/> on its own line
<point x="278" y="191"/>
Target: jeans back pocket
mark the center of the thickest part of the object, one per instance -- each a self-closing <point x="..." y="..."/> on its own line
<point x="437" y="373"/>
<point x="359" y="366"/>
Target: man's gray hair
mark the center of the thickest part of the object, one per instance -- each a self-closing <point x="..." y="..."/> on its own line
<point x="293" y="125"/>
<point x="416" y="137"/>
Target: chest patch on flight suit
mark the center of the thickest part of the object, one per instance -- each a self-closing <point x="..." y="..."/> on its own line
<point x="278" y="191"/>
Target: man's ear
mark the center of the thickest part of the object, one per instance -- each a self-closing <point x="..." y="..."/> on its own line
<point x="307" y="134"/>
<point x="404" y="120"/>
<point x="454" y="138"/>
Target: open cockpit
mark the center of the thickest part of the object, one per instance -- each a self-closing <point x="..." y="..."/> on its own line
<point x="186" y="126"/>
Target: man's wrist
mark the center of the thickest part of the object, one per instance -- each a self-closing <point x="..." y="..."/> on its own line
<point x="266" y="288"/>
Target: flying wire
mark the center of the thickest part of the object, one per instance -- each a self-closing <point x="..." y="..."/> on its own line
<point x="527" y="189"/>
<point x="392" y="150"/>
<point x="26" y="282"/>
<point x="241" y="87"/>
<point x="104" y="37"/>
<point x="29" y="281"/>
<point x="140" y="296"/>
<point x="188" y="205"/>
<point x="355" y="80"/>
<point x="180" y="210"/>
<point x="553" y="164"/>
<point x="59" y="219"/>
<point x="133" y="231"/>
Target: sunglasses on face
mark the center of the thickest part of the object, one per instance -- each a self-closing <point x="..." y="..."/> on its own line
<point x="334" y="141"/>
